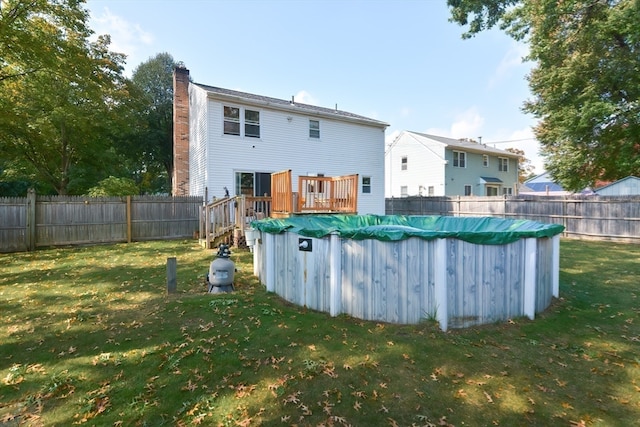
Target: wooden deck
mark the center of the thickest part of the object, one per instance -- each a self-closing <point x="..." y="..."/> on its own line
<point x="225" y="220"/>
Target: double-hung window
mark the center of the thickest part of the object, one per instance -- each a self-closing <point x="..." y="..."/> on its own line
<point x="231" y="121"/>
<point x="252" y="123"/>
<point x="485" y="160"/>
<point x="459" y="159"/>
<point x="503" y="164"/>
<point x="314" y="129"/>
<point x="366" y="184"/>
<point x="240" y="119"/>
<point x="403" y="163"/>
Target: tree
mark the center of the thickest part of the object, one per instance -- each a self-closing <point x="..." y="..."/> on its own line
<point x="585" y="83"/>
<point x="113" y="186"/>
<point x="148" y="147"/>
<point x="60" y="95"/>
<point x="525" y="169"/>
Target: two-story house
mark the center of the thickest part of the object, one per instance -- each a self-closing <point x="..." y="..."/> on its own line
<point x="231" y="141"/>
<point x="417" y="164"/>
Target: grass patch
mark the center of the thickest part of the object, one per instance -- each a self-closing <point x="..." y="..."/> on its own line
<point x="89" y="336"/>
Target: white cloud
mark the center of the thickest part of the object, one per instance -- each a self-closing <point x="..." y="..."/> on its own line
<point x="305" y="97"/>
<point x="511" y="60"/>
<point x="467" y="124"/>
<point x="126" y="37"/>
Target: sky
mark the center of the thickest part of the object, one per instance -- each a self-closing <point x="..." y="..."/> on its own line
<point x="398" y="61"/>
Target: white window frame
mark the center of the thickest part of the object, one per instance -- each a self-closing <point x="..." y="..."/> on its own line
<point x="507" y="191"/>
<point x="431" y="191"/>
<point x="485" y="160"/>
<point x="241" y="122"/>
<point x="503" y="164"/>
<point x="314" y="129"/>
<point x="404" y="191"/>
<point x="366" y="185"/>
<point x="404" y="161"/>
<point x="468" y="190"/>
<point x="459" y="159"/>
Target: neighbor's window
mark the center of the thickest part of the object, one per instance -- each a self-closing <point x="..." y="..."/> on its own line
<point x="366" y="184"/>
<point x="507" y="191"/>
<point x="314" y="129"/>
<point x="485" y="160"/>
<point x="459" y="159"/>
<point x="503" y="164"/>
<point x="403" y="163"/>
<point x="467" y="190"/>
<point x="231" y="121"/>
<point x="431" y="191"/>
<point x="404" y="191"/>
<point x="252" y="123"/>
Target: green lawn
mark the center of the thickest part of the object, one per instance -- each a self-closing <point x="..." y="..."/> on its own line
<point x="88" y="336"/>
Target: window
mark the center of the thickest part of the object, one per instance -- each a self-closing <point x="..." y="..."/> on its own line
<point x="492" y="191"/>
<point x="459" y="159"/>
<point x="404" y="191"/>
<point x="507" y="191"/>
<point x="231" y="121"/>
<point x="233" y="124"/>
<point x="404" y="163"/>
<point x="431" y="191"/>
<point x="314" y="129"/>
<point x="366" y="184"/>
<point x="252" y="123"/>
<point x="485" y="160"/>
<point x="503" y="164"/>
<point x="467" y="190"/>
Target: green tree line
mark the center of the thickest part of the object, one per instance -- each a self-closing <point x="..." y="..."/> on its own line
<point x="71" y="122"/>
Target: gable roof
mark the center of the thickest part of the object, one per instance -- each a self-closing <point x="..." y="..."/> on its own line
<point x="619" y="182"/>
<point x="291" y="105"/>
<point x="463" y="145"/>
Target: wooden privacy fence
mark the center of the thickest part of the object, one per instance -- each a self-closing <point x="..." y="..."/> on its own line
<point x="595" y="217"/>
<point x="27" y="223"/>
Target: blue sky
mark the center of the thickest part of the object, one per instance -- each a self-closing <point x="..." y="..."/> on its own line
<point x="398" y="61"/>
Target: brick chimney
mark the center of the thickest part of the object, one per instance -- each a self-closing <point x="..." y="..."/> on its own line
<point x="180" y="178"/>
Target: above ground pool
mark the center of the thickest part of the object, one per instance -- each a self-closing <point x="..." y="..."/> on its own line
<point x="460" y="271"/>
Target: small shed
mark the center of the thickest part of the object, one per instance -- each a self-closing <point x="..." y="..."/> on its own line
<point x="629" y="186"/>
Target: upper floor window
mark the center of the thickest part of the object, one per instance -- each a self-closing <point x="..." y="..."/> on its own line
<point x="233" y="123"/>
<point x="314" y="129"/>
<point x="485" y="160"/>
<point x="459" y="159"/>
<point x="403" y="163"/>
<point x="503" y="164"/>
<point x="252" y="123"/>
<point x="366" y="184"/>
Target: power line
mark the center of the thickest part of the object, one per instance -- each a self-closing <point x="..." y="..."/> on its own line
<point x="511" y="140"/>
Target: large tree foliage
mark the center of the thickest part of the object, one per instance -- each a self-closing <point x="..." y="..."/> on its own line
<point x="585" y="83"/>
<point x="60" y="94"/>
<point x="148" y="147"/>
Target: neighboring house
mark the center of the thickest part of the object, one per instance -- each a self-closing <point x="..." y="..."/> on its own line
<point x="417" y="164"/>
<point x="543" y="185"/>
<point x="629" y="186"/>
<point x="226" y="140"/>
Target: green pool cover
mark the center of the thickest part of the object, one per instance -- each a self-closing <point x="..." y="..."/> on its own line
<point x="478" y="230"/>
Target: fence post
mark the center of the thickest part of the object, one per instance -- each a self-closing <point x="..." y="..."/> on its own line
<point x="128" y="219"/>
<point x="172" y="275"/>
<point x="31" y="220"/>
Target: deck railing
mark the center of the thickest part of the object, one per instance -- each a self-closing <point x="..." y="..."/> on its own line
<point x="328" y="194"/>
<point x="224" y="216"/>
<point x="281" y="192"/>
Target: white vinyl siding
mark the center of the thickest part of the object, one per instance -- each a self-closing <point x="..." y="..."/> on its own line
<point x="284" y="144"/>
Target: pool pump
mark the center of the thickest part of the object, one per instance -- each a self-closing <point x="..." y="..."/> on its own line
<point x="221" y="272"/>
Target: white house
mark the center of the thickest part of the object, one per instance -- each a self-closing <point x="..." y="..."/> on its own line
<point x="418" y="164"/>
<point x="225" y="140"/>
